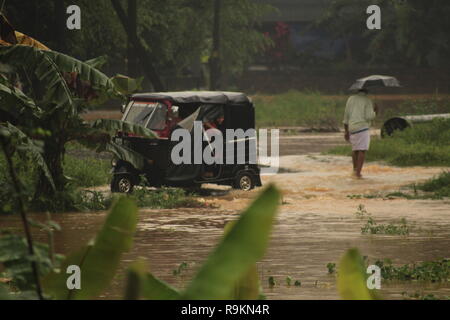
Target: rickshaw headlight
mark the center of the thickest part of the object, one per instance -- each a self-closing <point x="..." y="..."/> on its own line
<point x="114" y="162"/>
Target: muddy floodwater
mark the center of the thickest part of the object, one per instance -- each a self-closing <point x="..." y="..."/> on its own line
<point x="315" y="225"/>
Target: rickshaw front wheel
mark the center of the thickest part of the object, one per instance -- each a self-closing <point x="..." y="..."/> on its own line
<point x="122" y="183"/>
<point x="244" y="181"/>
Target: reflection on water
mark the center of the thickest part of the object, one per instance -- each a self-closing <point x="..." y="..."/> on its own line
<point x="301" y="246"/>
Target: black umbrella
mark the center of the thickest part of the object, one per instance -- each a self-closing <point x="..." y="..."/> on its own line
<point x="375" y="81"/>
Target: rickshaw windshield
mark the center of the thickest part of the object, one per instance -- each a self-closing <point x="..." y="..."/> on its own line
<point x="149" y="115"/>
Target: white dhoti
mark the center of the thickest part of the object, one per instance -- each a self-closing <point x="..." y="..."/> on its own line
<point x="360" y="141"/>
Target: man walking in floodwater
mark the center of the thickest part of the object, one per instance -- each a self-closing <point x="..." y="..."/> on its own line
<point x="359" y="112"/>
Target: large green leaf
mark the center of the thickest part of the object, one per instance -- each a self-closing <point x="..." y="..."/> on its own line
<point x="352" y="277"/>
<point x="113" y="126"/>
<point x="99" y="260"/>
<point x="98" y="62"/>
<point x="239" y="250"/>
<point x="126" y="154"/>
<point x="24" y="144"/>
<point x="127" y="85"/>
<point x="49" y="67"/>
<point x="37" y="62"/>
<point x="248" y="287"/>
<point x="15" y="102"/>
<point x="98" y="80"/>
<point x="140" y="283"/>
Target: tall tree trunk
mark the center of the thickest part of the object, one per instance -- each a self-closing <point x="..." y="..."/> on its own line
<point x="144" y="56"/>
<point x="214" y="61"/>
<point x="132" y="63"/>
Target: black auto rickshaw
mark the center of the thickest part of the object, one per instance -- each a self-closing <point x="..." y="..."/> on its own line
<point x="163" y="113"/>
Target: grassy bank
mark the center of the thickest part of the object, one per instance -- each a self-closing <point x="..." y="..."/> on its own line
<point x="295" y="108"/>
<point x="84" y="169"/>
<point x="438" y="186"/>
<point x="315" y="110"/>
<point x="422" y="145"/>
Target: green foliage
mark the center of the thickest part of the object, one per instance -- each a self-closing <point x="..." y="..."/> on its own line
<point x="87" y="171"/>
<point x="140" y="283"/>
<point x="331" y="267"/>
<point x="271" y="281"/>
<point x="351" y="280"/>
<point x="371" y="227"/>
<point x="98" y="260"/>
<point x="413" y="32"/>
<point x="424" y="296"/>
<point x="439" y="186"/>
<point x="433" y="271"/>
<point x="116" y="125"/>
<point x="127" y="85"/>
<point x="434" y="105"/>
<point x="16" y="140"/>
<point x="15" y="258"/>
<point x="296" y="108"/>
<point x="164" y="198"/>
<point x="425" y="144"/>
<point x="183" y="266"/>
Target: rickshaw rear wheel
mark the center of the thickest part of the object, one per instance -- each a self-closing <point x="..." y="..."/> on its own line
<point x="244" y="181"/>
<point x="122" y="183"/>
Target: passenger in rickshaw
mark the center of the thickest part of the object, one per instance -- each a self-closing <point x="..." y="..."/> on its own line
<point x="214" y="124"/>
<point x="210" y="128"/>
<point x="172" y="120"/>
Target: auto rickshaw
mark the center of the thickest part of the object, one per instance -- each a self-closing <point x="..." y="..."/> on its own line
<point x="164" y="113"/>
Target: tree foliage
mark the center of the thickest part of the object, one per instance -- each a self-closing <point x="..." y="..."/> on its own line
<point x="177" y="33"/>
<point x="413" y="32"/>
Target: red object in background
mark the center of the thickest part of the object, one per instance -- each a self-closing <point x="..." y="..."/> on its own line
<point x="281" y="38"/>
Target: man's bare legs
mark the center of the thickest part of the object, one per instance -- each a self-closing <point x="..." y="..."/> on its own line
<point x="360" y="157"/>
<point x="354" y="159"/>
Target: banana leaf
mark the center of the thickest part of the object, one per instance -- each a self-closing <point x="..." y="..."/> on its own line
<point x="140" y="283"/>
<point x="248" y="287"/>
<point x="239" y="250"/>
<point x="24" y="144"/>
<point x="57" y="71"/>
<point x="113" y="126"/>
<point x="37" y="62"/>
<point x="352" y="277"/>
<point x="25" y="40"/>
<point x="127" y="85"/>
<point x="98" y="62"/>
<point x="99" y="259"/>
<point x="126" y="154"/>
<point x="98" y="80"/>
<point x="13" y="101"/>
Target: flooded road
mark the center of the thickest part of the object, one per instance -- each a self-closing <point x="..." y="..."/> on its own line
<point x="315" y="225"/>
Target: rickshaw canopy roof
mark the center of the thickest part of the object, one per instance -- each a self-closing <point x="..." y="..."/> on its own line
<point x="213" y="97"/>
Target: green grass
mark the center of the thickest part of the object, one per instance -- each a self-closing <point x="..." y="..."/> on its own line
<point x="433" y="105"/>
<point x="165" y="198"/>
<point x="422" y="145"/>
<point x="87" y="172"/>
<point x="439" y="186"/>
<point x="295" y="108"/>
<point x="433" y="271"/>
